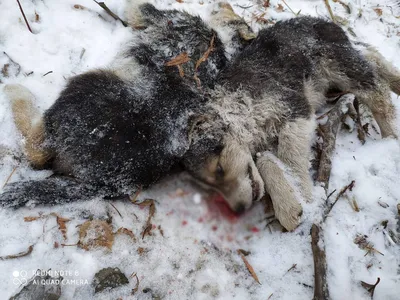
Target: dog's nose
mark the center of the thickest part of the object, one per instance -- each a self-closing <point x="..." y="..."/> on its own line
<point x="240" y="208"/>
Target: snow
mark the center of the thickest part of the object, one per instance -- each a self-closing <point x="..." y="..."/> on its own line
<point x="196" y="258"/>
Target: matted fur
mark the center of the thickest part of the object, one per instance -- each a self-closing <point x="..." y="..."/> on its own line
<point x="266" y="99"/>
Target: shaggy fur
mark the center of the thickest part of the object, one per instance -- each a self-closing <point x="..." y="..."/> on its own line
<point x="115" y="129"/>
<point x="266" y="99"/>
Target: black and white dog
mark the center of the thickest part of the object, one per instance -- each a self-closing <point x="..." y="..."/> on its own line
<point x="112" y="130"/>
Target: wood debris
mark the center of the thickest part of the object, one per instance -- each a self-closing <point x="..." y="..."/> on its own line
<point x="362" y="242"/>
<point x="9" y="177"/>
<point x="346" y="6"/>
<point x="123" y="230"/>
<point x="60" y="221"/>
<point x="371" y="287"/>
<point x="152" y="209"/>
<point x="328" y="6"/>
<point x="108" y="11"/>
<point x="249" y="267"/>
<point x="18" y="255"/>
<point x="321" y="291"/>
<point x="136" y="288"/>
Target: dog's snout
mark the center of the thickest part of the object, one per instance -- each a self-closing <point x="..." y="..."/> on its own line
<point x="240" y="208"/>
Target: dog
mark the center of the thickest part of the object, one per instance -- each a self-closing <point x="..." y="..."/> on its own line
<point x="265" y="102"/>
<point x="126" y="126"/>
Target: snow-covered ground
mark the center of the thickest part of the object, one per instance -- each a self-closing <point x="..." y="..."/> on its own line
<point x="196" y="256"/>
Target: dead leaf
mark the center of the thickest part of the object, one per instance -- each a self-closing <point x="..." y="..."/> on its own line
<point x="61" y="225"/>
<point x="30" y="219"/>
<point x="202" y="59"/>
<point x="178" y="60"/>
<point x="249" y="267"/>
<point x="179" y="1"/>
<point x="279" y="8"/>
<point x="370" y="287"/>
<point x="78" y="6"/>
<point x="123" y="230"/>
<point x="94" y="234"/>
<point x="18" y="255"/>
<point x="147" y="230"/>
<point x="378" y="11"/>
<point x="152" y="209"/>
<point x="37" y="17"/>
<point x="266" y="4"/>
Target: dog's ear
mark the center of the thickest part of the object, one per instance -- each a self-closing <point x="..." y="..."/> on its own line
<point x="224" y="15"/>
<point x="205" y="141"/>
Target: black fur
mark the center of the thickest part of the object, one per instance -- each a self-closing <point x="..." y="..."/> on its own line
<point x="284" y="55"/>
<point x="174" y="32"/>
<point x="111" y="135"/>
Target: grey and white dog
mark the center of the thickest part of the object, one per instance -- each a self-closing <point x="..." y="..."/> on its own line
<point x="266" y="100"/>
<point x="111" y="130"/>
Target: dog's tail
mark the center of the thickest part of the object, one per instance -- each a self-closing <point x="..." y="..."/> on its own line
<point x="389" y="73"/>
<point x="50" y="191"/>
<point x="29" y="122"/>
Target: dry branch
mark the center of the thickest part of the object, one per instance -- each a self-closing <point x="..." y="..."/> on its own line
<point x="329" y="131"/>
<point x="320" y="285"/>
<point x="18" y="255"/>
<point x="104" y="6"/>
<point x="23" y="14"/>
<point x="328" y="6"/>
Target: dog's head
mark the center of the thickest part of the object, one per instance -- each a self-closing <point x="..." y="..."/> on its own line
<point x="223" y="164"/>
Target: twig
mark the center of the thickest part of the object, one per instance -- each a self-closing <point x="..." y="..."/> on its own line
<point x="23" y="14"/>
<point x="343" y="190"/>
<point x="104" y="6"/>
<point x="18" y="255"/>
<point x="9" y="177"/>
<point x="244" y="7"/>
<point x="116" y="210"/>
<point x="327" y="198"/>
<point x="329" y="131"/>
<point x="249" y="267"/>
<point x="296" y="14"/>
<point x="49" y="72"/>
<point x="328" y="6"/>
<point x="320" y="285"/>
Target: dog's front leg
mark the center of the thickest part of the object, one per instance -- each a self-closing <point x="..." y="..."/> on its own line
<point x="294" y="145"/>
<point x="282" y="188"/>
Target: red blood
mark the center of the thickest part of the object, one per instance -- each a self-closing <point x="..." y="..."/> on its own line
<point x="254" y="229"/>
<point x="214" y="227"/>
<point x="200" y="220"/>
<point x="184" y="222"/>
<point x="222" y="206"/>
<point x="154" y="226"/>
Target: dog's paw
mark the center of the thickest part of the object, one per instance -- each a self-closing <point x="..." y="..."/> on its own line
<point x="283" y="188"/>
<point x="288" y="214"/>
